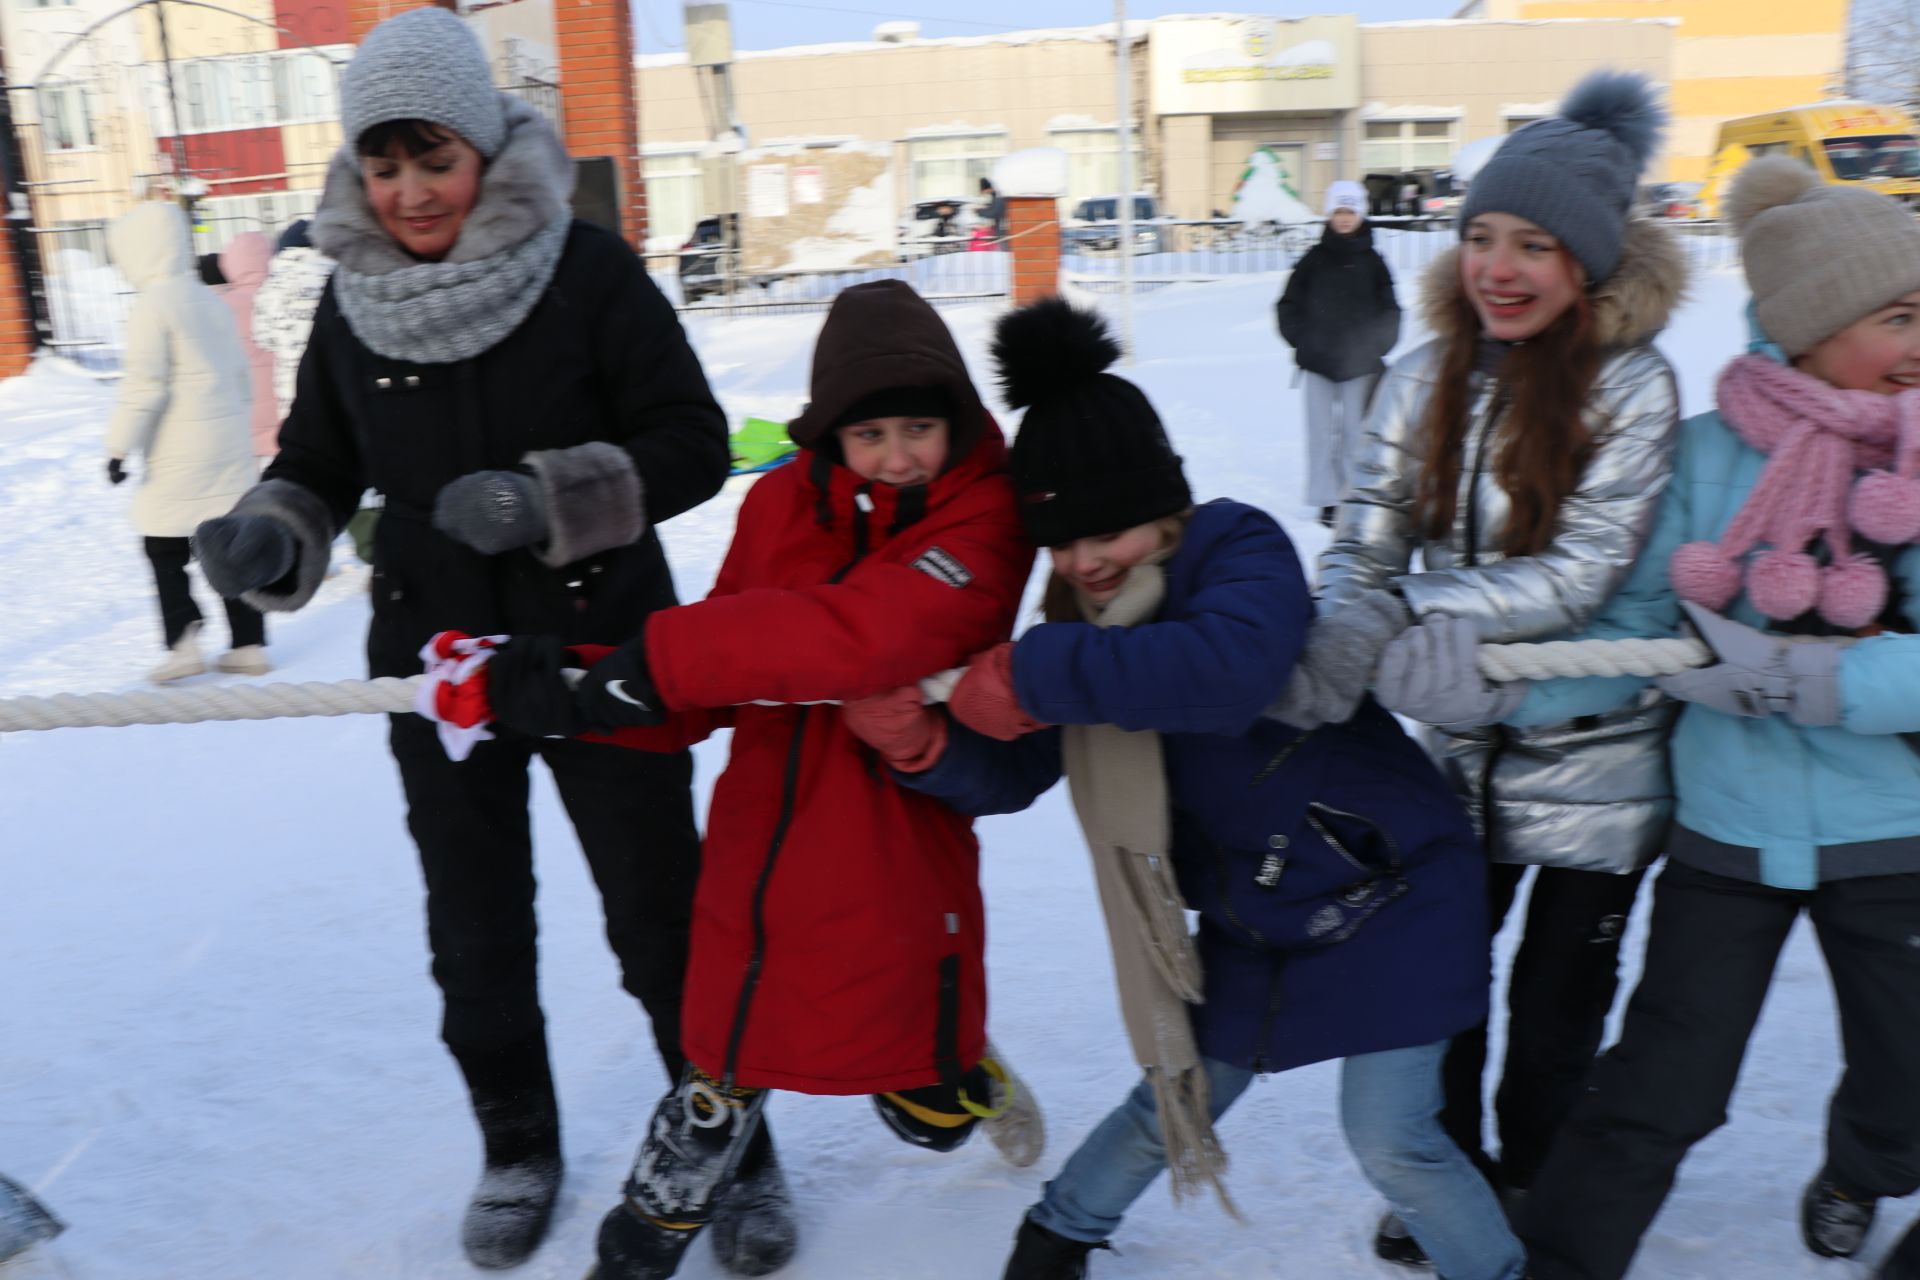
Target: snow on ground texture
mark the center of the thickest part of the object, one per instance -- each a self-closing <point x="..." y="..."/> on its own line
<point x="218" y="1053"/>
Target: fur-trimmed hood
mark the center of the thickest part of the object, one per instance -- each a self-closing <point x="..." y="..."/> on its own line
<point x="1631" y="307"/>
<point x="526" y="188"/>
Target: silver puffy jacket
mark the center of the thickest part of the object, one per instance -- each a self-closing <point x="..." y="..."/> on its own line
<point x="1593" y="793"/>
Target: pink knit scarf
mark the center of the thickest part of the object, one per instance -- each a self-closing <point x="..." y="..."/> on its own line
<point x="1816" y="438"/>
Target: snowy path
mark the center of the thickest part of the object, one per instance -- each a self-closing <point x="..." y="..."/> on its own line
<point x="217" y="1035"/>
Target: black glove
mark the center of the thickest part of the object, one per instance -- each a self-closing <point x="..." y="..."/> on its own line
<point x="116" y="470"/>
<point x="528" y="690"/>
<point x="491" y="511"/>
<point x="618" y="693"/>
<point x="244" y="553"/>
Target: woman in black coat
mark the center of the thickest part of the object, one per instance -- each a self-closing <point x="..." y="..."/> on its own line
<point x="524" y="397"/>
<point x="1339" y="315"/>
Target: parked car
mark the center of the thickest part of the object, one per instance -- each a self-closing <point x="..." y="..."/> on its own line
<point x="707" y="259"/>
<point x="1095" y="226"/>
<point x="940" y="224"/>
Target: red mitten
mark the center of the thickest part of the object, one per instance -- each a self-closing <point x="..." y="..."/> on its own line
<point x="909" y="735"/>
<point x="454" y="692"/>
<point x="984" y="700"/>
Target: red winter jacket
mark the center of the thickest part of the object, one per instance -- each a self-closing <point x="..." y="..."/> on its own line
<point x="838" y="931"/>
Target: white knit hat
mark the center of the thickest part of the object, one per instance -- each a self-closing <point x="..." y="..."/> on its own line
<point x="423" y="65"/>
<point x="1346" y="194"/>
<point x="1818" y="257"/>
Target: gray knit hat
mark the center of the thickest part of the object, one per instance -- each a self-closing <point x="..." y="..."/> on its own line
<point x="423" y="65"/>
<point x="1575" y="173"/>
<point x="1818" y="258"/>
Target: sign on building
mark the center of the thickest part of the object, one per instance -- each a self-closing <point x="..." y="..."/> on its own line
<point x="1248" y="65"/>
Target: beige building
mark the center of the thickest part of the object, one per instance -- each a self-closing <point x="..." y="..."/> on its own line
<point x="1218" y="101"/>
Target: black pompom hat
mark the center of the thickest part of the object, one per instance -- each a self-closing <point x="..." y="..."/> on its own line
<point x="1091" y="456"/>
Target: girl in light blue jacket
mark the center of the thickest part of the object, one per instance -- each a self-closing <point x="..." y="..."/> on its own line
<point x="1788" y="537"/>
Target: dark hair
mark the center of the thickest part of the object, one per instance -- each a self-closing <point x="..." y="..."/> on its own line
<point x="1547" y="442"/>
<point x="416" y="137"/>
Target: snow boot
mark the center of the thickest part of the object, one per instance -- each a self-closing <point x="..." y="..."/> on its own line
<point x="1833" y="1221"/>
<point x="183" y="658"/>
<point x="1016" y="1127"/>
<point x="1039" y="1254"/>
<point x="247" y="660"/>
<point x="1396" y="1244"/>
<point x="696" y="1141"/>
<point x="754" y="1230"/>
<point x="1904" y="1262"/>
<point x="508" y="1214"/>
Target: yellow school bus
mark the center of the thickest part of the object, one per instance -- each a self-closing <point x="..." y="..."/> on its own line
<point x="1844" y="142"/>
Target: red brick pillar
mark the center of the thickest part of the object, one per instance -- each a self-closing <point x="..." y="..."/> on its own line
<point x="17" y="336"/>
<point x="364" y="15"/>
<point x="1033" y="236"/>
<point x="597" y="96"/>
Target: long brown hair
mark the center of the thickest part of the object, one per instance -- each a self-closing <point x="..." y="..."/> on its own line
<point x="1546" y="381"/>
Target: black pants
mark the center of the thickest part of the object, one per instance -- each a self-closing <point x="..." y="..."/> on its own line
<point x="633" y="813"/>
<point x="1565" y="973"/>
<point x="169" y="558"/>
<point x="1665" y="1085"/>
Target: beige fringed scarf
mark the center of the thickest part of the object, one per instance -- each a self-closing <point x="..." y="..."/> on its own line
<point x="1119" y="790"/>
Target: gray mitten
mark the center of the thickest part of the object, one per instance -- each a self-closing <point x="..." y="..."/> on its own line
<point x="492" y="511"/>
<point x="244" y="553"/>
<point x="1760" y="674"/>
<point x="1431" y="673"/>
<point x="1338" y="662"/>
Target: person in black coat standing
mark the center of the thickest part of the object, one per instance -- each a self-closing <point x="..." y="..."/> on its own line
<point x="524" y="397"/>
<point x="1340" y="316"/>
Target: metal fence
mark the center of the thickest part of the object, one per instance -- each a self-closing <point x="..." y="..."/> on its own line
<point x="710" y="279"/>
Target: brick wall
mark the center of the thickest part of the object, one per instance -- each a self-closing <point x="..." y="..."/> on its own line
<point x="17" y="337"/>
<point x="1033" y="231"/>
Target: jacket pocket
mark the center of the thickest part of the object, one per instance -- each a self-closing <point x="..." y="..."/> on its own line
<point x="1312" y="889"/>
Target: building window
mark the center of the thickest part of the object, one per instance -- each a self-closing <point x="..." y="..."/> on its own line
<point x="1396" y="146"/>
<point x="65" y="122"/>
<point x="675" y="194"/>
<point x="255" y="90"/>
<point x="1093" y="162"/>
<point x="1520" y="122"/>
<point x="953" y="166"/>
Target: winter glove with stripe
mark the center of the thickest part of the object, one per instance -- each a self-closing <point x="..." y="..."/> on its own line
<point x="534" y="685"/>
<point x="244" y="553"/>
<point x="1431" y="673"/>
<point x="1342" y="652"/>
<point x="908" y="734"/>
<point x="492" y="511"/>
<point x="984" y="700"/>
<point x="1760" y="674"/>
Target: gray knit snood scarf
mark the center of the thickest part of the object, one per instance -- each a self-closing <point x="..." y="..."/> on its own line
<point x="509" y="246"/>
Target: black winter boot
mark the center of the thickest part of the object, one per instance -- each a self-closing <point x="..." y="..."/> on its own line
<point x="1904" y="1262"/>
<point x="754" y="1230"/>
<point x="633" y="1246"/>
<point x="1833" y="1221"/>
<point x="512" y="1090"/>
<point x="1039" y="1254"/>
<point x="1393" y="1242"/>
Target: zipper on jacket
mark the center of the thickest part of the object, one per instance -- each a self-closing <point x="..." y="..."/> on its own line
<point x="1226" y="897"/>
<point x="1499" y="746"/>
<point x="1393" y="846"/>
<point x="1260" y="1056"/>
<point x="789" y="793"/>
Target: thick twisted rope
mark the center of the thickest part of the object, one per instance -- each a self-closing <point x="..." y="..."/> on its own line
<point x="1645" y="658"/>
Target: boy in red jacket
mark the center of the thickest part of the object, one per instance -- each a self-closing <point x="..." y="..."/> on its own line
<point x="838" y="933"/>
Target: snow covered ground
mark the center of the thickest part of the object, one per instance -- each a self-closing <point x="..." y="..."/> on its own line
<point x="217" y="1034"/>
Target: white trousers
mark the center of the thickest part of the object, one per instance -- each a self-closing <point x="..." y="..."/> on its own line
<point x="1336" y="411"/>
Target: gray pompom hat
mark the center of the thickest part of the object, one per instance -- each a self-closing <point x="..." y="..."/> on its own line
<point x="1575" y="173"/>
<point x="1818" y="258"/>
<point x="423" y="65"/>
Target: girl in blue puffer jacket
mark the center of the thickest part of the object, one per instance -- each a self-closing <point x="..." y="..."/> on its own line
<point x="1339" y="885"/>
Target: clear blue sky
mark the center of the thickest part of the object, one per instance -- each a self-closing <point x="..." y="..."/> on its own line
<point x="767" y="24"/>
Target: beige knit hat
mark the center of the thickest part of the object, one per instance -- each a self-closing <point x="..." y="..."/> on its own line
<point x="1818" y="257"/>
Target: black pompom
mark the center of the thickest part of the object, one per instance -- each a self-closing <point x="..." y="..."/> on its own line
<point x="1047" y="346"/>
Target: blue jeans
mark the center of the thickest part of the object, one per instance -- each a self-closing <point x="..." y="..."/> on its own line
<point x="1389" y="1107"/>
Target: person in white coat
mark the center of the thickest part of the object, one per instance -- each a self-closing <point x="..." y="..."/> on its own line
<point x="184" y="404"/>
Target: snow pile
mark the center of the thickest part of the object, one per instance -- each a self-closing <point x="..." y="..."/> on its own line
<point x="1034" y="171"/>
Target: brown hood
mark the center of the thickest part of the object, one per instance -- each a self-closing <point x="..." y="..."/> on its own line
<point x="1632" y="306"/>
<point x="879" y="336"/>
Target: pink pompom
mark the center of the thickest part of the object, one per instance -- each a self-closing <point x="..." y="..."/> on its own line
<point x="1853" y="592"/>
<point x="1783" y="584"/>
<point x="1886" y="507"/>
<point x="1704" y="574"/>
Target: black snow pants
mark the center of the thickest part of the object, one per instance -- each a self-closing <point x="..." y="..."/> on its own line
<point x="1666" y="1084"/>
<point x="169" y="557"/>
<point x="633" y="813"/>
<point x="1565" y="974"/>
